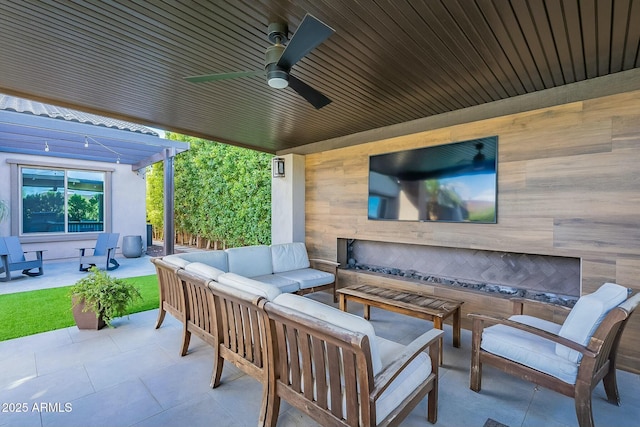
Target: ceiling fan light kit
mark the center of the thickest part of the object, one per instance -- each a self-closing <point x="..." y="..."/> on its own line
<point x="279" y="59"/>
<point x="277" y="78"/>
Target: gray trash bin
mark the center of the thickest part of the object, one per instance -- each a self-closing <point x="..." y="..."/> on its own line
<point x="132" y="246"/>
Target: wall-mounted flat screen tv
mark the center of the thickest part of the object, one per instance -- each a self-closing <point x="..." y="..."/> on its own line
<point x="453" y="183"/>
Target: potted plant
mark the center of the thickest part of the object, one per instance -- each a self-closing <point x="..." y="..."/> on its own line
<point x="99" y="298"/>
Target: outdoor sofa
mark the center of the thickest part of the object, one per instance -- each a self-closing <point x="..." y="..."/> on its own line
<point x="327" y="363"/>
<point x="286" y="266"/>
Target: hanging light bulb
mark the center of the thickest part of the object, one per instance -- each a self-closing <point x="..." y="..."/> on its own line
<point x="118" y="160"/>
<point x="86" y="142"/>
<point x="46" y="146"/>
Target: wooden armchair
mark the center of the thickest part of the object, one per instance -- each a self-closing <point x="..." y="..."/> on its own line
<point x="571" y="358"/>
<point x="331" y="366"/>
<point x="12" y="257"/>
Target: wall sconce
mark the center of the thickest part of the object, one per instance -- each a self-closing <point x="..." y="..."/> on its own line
<point x="277" y="167"/>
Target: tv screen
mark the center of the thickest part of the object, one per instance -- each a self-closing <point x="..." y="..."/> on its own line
<point x="453" y="182"/>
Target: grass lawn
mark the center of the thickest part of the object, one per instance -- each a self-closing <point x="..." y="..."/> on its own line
<point x="27" y="313"/>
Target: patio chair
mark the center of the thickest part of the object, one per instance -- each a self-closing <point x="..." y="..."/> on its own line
<point x="104" y="253"/>
<point x="12" y="258"/>
<point x="570" y="359"/>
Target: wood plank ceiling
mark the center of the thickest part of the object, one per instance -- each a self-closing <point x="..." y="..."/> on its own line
<point x="388" y="62"/>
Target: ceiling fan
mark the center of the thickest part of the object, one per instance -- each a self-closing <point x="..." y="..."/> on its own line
<point x="280" y="58"/>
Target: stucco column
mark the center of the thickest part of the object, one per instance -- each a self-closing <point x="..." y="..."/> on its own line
<point x="287" y="201"/>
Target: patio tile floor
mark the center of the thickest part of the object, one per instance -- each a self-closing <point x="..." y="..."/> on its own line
<point x="132" y="375"/>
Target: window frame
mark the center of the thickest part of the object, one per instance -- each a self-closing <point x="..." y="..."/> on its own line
<point x="16" y="201"/>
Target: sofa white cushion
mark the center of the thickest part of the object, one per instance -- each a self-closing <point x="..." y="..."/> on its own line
<point x="528" y="349"/>
<point x="282" y="283"/>
<point x="251" y="286"/>
<point x="289" y="256"/>
<point x="176" y="260"/>
<point x="217" y="259"/>
<point x="308" y="277"/>
<point x="250" y="261"/>
<point x="586" y="316"/>
<point x="204" y="270"/>
<point x="407" y="381"/>
<point x="335" y="317"/>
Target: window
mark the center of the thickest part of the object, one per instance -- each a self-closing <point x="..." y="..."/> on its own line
<point x="62" y="201"/>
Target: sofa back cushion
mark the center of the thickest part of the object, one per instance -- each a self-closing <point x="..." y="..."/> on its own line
<point x="333" y="316"/>
<point x="204" y="270"/>
<point x="217" y="259"/>
<point x="250" y="286"/>
<point x="250" y="261"/>
<point x="289" y="256"/>
<point x="586" y="316"/>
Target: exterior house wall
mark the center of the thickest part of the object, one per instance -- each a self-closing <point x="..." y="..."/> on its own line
<point x="568" y="185"/>
<point x="128" y="205"/>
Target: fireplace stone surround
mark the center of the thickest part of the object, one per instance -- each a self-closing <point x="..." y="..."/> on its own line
<point x="542" y="277"/>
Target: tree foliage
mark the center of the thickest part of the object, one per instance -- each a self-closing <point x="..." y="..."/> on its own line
<point x="222" y="193"/>
<point x="155" y="196"/>
<point x="84" y="208"/>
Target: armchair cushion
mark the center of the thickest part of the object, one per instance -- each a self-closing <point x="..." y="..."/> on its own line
<point x="528" y="349"/>
<point x="415" y="373"/>
<point x="289" y="256"/>
<point x="250" y="261"/>
<point x="586" y="316"/>
<point x="251" y="286"/>
<point x="204" y="270"/>
<point x="333" y="316"/>
<point x="308" y="277"/>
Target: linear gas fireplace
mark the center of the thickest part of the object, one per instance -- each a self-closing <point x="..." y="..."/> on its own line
<point x="541" y="277"/>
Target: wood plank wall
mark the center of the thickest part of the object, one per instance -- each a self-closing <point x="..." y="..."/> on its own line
<point x="568" y="185"/>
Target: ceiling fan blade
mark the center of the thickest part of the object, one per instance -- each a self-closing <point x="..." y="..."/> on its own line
<point x="312" y="96"/>
<point x="309" y="34"/>
<point x="223" y="76"/>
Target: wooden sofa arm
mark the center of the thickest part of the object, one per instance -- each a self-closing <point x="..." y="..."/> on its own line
<point x="519" y="302"/>
<point x="411" y="351"/>
<point x="326" y="262"/>
<point x="480" y="319"/>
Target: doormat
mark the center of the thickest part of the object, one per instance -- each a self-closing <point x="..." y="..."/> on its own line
<point x="493" y="423"/>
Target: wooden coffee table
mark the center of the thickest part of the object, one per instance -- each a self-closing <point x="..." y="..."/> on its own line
<point x="402" y="301"/>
